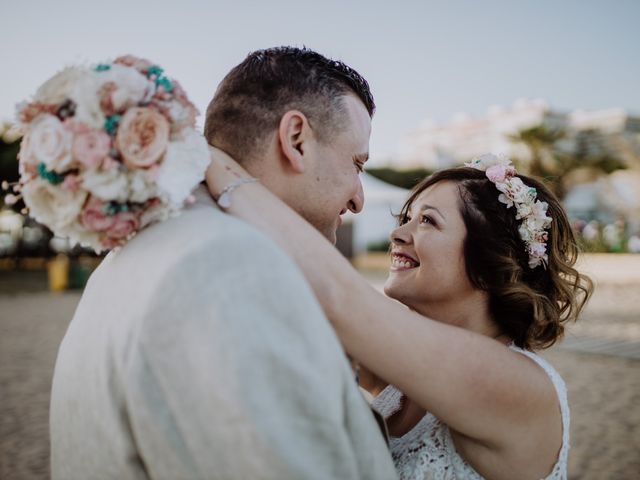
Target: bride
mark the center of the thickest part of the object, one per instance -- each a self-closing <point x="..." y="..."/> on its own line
<point x="482" y="271"/>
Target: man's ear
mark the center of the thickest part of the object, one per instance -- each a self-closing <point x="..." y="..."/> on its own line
<point x="294" y="133"/>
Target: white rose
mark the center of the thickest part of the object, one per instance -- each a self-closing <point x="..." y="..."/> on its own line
<point x="48" y="142"/>
<point x="87" y="102"/>
<point x="51" y="205"/>
<point x="108" y="185"/>
<point x="182" y="168"/>
<point x="12" y="134"/>
<point x="178" y="113"/>
<point x="78" y="234"/>
<point x="489" y="159"/>
<point x="524" y="210"/>
<point x="519" y="191"/>
<point x="141" y="186"/>
<point x="183" y="116"/>
<point x="80" y="85"/>
<point x="59" y="87"/>
<point x="157" y="213"/>
<point x="525" y="233"/>
<point x="132" y="87"/>
<point x="533" y="223"/>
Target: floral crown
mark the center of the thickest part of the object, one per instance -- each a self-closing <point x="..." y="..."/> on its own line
<point x="532" y="213"/>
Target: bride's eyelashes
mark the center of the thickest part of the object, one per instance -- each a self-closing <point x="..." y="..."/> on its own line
<point x="427" y="219"/>
<point x="424" y="219"/>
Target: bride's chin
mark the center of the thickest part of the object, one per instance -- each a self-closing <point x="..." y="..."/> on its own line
<point x="390" y="290"/>
<point x="399" y="293"/>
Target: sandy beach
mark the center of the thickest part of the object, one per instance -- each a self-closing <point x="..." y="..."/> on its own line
<point x="599" y="360"/>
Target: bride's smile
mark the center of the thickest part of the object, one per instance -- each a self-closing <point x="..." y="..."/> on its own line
<point x="402" y="261"/>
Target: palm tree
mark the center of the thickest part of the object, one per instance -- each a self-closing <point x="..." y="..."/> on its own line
<point x="555" y="155"/>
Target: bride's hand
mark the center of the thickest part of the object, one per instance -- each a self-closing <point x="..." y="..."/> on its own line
<point x="222" y="171"/>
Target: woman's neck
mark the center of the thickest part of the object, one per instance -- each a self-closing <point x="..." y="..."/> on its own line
<point x="470" y="313"/>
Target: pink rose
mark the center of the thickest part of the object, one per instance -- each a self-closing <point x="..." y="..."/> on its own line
<point x="75" y="127"/>
<point x="125" y="224"/>
<point x="110" y="243"/>
<point x="106" y="101"/>
<point x="109" y="163"/>
<point x="71" y="183"/>
<point x="496" y="173"/>
<point x="140" y="64"/>
<point x="93" y="217"/>
<point x="91" y="147"/>
<point x="541" y="237"/>
<point x="27" y="112"/>
<point x="142" y="137"/>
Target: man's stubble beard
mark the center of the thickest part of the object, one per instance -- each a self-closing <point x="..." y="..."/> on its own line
<point x="297" y="197"/>
<point x="327" y="231"/>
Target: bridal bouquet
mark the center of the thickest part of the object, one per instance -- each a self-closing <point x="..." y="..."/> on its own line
<point x="109" y="150"/>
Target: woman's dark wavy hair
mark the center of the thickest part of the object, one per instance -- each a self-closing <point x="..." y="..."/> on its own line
<point x="530" y="305"/>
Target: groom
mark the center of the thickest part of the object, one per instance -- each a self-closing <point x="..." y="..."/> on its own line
<point x="198" y="350"/>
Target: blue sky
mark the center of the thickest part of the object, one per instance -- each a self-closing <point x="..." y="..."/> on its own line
<point x="423" y="59"/>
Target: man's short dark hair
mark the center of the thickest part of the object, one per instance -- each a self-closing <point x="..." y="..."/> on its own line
<point x="252" y="98"/>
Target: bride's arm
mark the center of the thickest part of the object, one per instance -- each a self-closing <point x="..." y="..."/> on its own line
<point x="471" y="382"/>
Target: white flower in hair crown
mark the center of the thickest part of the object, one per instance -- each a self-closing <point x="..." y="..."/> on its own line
<point x="531" y="212"/>
<point x="108" y="150"/>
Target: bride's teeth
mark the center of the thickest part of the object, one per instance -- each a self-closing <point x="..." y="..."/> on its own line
<point x="400" y="263"/>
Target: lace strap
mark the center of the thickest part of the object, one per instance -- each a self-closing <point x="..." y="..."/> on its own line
<point x="388" y="401"/>
<point x="561" y="391"/>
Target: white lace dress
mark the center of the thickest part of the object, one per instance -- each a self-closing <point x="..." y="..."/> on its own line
<point x="427" y="451"/>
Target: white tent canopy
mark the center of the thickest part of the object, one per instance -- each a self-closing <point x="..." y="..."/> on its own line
<point x="376" y="220"/>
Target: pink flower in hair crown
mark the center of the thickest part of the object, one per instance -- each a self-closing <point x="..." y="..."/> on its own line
<point x="496" y="173"/>
<point x="513" y="192"/>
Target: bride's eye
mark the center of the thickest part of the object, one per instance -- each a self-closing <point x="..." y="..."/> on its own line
<point x="427" y="219"/>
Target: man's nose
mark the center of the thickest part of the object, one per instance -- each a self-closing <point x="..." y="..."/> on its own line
<point x="356" y="203"/>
